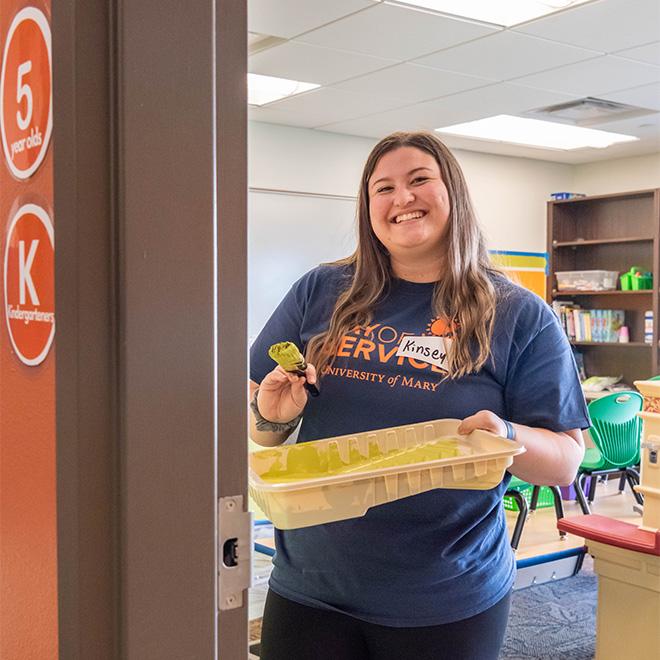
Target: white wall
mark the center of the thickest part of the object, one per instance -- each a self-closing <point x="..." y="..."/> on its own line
<point x="509" y="194"/>
<point x="620" y="175"/>
<point x="300" y="159"/>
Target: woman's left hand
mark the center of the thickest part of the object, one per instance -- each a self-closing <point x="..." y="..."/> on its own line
<point x="484" y="420"/>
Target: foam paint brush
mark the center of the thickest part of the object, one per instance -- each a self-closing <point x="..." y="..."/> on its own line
<point x="287" y="355"/>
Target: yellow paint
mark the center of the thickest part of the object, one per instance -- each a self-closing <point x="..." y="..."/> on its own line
<point x="305" y="461"/>
<point x="287" y="355"/>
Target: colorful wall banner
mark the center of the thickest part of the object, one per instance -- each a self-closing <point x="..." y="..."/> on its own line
<point x="526" y="268"/>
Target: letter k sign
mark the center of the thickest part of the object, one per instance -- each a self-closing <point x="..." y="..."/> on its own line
<point x="24" y="275"/>
<point x="29" y="284"/>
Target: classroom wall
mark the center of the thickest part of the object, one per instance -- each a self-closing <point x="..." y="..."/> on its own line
<point x="509" y="194"/>
<point x="619" y="175"/>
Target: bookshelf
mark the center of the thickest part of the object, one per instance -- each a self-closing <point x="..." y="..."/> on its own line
<point x="610" y="232"/>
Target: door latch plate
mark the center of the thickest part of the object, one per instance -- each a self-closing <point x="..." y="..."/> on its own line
<point x="234" y="552"/>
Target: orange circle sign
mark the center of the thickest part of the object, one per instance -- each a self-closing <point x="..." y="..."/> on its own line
<point x="29" y="284"/>
<point x="26" y="119"/>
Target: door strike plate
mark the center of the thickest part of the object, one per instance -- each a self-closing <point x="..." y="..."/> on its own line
<point x="234" y="552"/>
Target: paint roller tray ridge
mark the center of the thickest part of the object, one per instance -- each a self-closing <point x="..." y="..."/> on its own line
<point x="334" y="479"/>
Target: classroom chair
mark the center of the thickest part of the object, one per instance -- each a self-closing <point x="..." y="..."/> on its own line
<point x="517" y="490"/>
<point x="616" y="432"/>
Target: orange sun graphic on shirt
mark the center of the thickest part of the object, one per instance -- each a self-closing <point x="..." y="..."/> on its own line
<point x="440" y="327"/>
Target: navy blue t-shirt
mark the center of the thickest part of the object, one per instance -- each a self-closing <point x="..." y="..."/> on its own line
<point x="443" y="555"/>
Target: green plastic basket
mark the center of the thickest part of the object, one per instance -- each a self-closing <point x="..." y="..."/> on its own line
<point x="545" y="500"/>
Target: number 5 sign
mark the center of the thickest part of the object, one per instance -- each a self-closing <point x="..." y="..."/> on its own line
<point x="26" y="119"/>
<point x="29" y="284"/>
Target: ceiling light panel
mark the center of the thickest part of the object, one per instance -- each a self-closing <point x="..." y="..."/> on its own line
<point x="535" y="133"/>
<point x="266" y="89"/>
<point x="502" y="12"/>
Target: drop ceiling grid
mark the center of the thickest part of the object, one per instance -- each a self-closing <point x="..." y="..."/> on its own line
<point x="355" y="56"/>
<point x="395" y="32"/>
<point x="607" y="26"/>
<point x="466" y="106"/>
<point x="289" y="18"/>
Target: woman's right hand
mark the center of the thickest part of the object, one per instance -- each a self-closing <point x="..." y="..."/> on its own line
<point x="282" y="395"/>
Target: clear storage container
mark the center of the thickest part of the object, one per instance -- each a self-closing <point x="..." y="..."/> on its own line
<point x="340" y="478"/>
<point x="586" y="280"/>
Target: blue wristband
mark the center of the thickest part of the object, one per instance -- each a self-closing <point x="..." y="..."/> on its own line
<point x="510" y="431"/>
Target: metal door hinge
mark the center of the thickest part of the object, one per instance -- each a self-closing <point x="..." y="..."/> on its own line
<point x="234" y="552"/>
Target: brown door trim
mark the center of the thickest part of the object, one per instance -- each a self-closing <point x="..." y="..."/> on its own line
<point x="182" y="260"/>
<point x="150" y="213"/>
<point x="86" y="336"/>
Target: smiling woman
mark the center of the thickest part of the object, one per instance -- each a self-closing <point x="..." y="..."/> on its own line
<point x="409" y="209"/>
<point x="415" y="325"/>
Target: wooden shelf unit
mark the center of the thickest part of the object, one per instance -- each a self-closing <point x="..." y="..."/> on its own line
<point x="610" y="232"/>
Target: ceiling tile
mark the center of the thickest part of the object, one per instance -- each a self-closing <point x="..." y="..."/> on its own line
<point x="594" y="77"/>
<point x="412" y="83"/>
<point x="396" y="32"/>
<point x="326" y="105"/>
<point x="268" y="115"/>
<point x="606" y="26"/>
<point x="287" y="18"/>
<point x="644" y="96"/>
<point x="503" y="98"/>
<point x="506" y="55"/>
<point x="649" y="53"/>
<point x="647" y="127"/>
<point x="307" y="63"/>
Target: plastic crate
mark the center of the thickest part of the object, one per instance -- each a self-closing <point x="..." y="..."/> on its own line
<point x="586" y="280"/>
<point x="339" y="478"/>
<point x="545" y="499"/>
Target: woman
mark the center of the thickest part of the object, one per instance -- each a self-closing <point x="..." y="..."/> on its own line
<point x="427" y="576"/>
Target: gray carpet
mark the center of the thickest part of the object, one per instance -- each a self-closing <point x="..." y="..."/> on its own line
<point x="554" y="620"/>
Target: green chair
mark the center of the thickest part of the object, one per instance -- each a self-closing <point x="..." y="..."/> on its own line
<point x="616" y="432"/>
<point x="517" y="490"/>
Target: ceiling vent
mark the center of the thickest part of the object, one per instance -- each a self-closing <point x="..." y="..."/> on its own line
<point x="588" y="111"/>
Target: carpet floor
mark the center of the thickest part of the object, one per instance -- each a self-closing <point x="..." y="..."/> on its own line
<point x="554" y="620"/>
<point x="547" y="622"/>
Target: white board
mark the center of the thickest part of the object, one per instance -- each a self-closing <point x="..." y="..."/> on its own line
<point x="324" y="228"/>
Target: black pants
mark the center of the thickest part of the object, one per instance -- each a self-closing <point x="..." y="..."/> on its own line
<point x="296" y="632"/>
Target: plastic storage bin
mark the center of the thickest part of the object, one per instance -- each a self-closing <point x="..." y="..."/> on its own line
<point x="636" y="279"/>
<point x="339" y="478"/>
<point x="545" y="500"/>
<point x="586" y="280"/>
<point x="641" y="282"/>
<point x="558" y="196"/>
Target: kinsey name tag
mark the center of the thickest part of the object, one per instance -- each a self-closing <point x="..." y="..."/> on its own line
<point x="426" y="349"/>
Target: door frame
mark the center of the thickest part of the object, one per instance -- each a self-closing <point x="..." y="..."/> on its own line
<point x="151" y="285"/>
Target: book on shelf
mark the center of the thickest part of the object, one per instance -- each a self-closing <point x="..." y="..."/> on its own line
<point x="589" y="325"/>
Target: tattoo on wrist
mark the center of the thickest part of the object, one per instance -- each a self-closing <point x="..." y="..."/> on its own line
<point x="264" y="424"/>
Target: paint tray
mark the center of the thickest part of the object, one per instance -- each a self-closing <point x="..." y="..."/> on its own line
<point x="339" y="478"/>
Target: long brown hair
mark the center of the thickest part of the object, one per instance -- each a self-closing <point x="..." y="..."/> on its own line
<point x="465" y="295"/>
